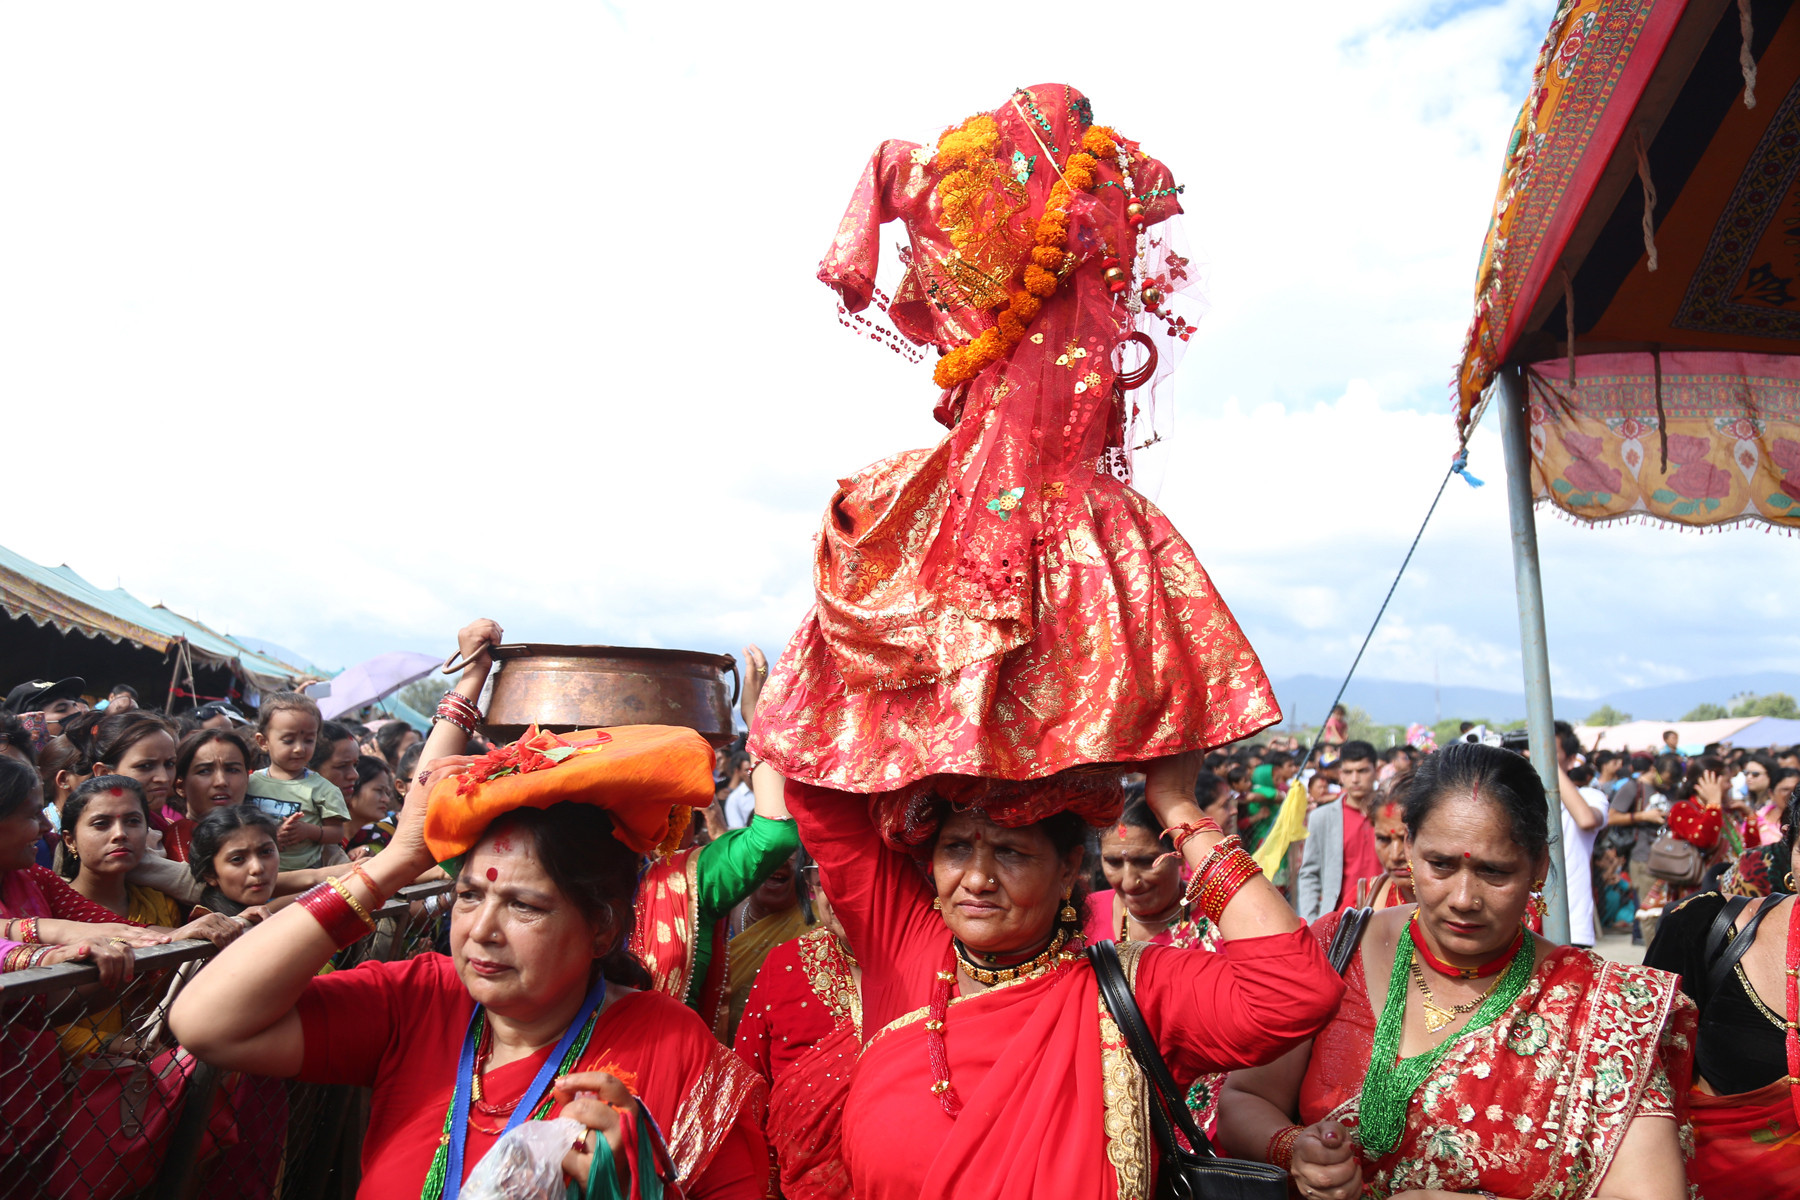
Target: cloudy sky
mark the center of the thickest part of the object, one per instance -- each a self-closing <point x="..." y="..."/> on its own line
<point x="339" y="324"/>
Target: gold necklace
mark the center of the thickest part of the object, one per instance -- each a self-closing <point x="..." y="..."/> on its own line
<point x="1023" y="970"/>
<point x="1436" y="1015"/>
<point x="1181" y="912"/>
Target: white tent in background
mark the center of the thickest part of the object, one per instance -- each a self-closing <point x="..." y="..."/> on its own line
<point x="1647" y="736"/>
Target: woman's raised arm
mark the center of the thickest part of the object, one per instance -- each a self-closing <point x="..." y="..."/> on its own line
<point x="238" y="1013"/>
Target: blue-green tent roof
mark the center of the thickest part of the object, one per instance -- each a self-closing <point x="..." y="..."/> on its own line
<point x="59" y="597"/>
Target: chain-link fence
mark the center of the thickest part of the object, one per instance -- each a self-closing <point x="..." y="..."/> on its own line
<point x="99" y="1102"/>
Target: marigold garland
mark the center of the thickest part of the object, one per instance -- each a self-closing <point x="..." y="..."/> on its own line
<point x="974" y="140"/>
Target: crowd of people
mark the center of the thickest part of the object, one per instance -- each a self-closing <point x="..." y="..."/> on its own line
<point x="764" y="920"/>
<point x="1008" y="891"/>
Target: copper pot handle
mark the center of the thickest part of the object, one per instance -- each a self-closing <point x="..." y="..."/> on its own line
<point x="454" y="667"/>
<point x="737" y="682"/>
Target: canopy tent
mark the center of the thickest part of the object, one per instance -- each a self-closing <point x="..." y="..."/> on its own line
<point x="1638" y="295"/>
<point x="56" y="598"/>
<point x="1658" y="340"/>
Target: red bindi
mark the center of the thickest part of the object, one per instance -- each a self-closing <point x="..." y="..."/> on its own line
<point x="493" y="874"/>
<point x="117" y="791"/>
<point x="1465" y="854"/>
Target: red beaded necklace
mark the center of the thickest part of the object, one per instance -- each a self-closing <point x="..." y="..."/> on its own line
<point x="1492" y="967"/>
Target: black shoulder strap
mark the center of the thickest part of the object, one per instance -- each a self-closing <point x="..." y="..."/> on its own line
<point x="1167" y="1108"/>
<point x="1721" y="926"/>
<point x="1720" y="968"/>
<point x="1347" y="937"/>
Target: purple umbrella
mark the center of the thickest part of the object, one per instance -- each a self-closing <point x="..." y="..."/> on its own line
<point x="367" y="682"/>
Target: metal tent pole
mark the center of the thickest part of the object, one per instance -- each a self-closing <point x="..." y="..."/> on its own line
<point x="1533" y="647"/>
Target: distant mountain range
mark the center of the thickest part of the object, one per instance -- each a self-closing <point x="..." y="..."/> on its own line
<point x="1305" y="699"/>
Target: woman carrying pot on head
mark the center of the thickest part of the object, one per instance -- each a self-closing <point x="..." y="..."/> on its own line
<point x="526" y="1017"/>
<point x="1468" y="1056"/>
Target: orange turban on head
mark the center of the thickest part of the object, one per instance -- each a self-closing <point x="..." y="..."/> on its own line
<point x="646" y="777"/>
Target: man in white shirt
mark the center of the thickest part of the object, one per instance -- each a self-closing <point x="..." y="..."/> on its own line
<point x="739" y="801"/>
<point x="1583" y="813"/>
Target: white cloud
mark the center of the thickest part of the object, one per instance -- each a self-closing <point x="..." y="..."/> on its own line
<point x="342" y="324"/>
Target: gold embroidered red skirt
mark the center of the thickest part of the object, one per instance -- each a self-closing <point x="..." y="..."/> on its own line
<point x="1125" y="652"/>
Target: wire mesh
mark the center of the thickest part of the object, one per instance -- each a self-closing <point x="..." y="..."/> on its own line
<point x="99" y="1102"/>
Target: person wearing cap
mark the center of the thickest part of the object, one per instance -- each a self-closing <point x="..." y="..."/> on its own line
<point x="219" y="714"/>
<point x="533" y="1013"/>
<point x="56" y="700"/>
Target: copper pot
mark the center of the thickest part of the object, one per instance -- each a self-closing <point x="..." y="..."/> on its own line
<point x="586" y="687"/>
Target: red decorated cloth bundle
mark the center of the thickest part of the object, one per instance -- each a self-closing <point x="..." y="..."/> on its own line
<point x="1003" y="606"/>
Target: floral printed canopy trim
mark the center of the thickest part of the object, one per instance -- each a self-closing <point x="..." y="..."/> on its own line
<point x="1730" y="422"/>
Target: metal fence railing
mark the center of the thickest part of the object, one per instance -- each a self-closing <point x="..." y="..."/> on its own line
<point x="99" y="1102"/>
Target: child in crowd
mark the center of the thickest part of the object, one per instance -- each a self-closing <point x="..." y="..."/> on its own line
<point x="234" y="854"/>
<point x="310" y="807"/>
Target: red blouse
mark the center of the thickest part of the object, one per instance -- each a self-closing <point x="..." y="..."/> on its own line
<point x="398" y="1027"/>
<point x="1026" y="1059"/>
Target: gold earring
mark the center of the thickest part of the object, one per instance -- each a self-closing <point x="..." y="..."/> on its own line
<point x="1790" y="881"/>
<point x="1538" y="886"/>
<point x="1067" y="916"/>
<point x="937" y="904"/>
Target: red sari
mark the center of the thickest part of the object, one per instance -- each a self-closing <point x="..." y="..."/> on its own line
<point x="1536" y="1103"/>
<point x="1048" y="1087"/>
<point x="801" y="1030"/>
<point x="398" y="1028"/>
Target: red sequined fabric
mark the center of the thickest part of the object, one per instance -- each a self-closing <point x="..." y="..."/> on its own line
<point x="1004" y="605"/>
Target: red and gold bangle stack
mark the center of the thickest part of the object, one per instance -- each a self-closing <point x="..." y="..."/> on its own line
<point x="460" y="711"/>
<point x="343" y="917"/>
<point x="1280" y="1150"/>
<point x="21" y="958"/>
<point x="1227" y="869"/>
<point x="27" y="930"/>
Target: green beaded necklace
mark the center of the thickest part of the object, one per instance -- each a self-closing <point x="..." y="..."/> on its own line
<point x="1389" y="1086"/>
<point x="440" y="1161"/>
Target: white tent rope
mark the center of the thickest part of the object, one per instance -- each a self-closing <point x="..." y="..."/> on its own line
<point x="1746" y="61"/>
<point x="1643" y="168"/>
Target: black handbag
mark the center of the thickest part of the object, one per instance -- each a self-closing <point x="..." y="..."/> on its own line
<point x="1189" y="1174"/>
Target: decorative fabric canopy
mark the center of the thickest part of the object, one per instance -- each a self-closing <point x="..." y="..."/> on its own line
<point x="1657" y="337"/>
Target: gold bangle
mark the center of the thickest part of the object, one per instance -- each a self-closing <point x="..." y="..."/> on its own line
<point x="356" y="906"/>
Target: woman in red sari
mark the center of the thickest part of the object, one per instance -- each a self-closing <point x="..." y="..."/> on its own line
<point x="987" y="1040"/>
<point x="544" y="839"/>
<point x="1746" y="1097"/>
<point x="1394" y="885"/>
<point x="802" y="1029"/>
<point x="1470" y="1057"/>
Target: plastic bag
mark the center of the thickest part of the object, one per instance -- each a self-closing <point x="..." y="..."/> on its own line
<point x="526" y="1163"/>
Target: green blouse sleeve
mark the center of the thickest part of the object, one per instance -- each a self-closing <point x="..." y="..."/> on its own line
<point x="733" y="866"/>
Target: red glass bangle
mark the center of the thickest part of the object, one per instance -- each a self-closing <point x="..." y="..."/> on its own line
<point x="334" y="914"/>
<point x="1280" y="1150"/>
<point x="28" y="930"/>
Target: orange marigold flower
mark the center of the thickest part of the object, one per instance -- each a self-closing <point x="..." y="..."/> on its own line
<point x="1083" y="162"/>
<point x="978" y="137"/>
<point x="1026" y="305"/>
<point x="1039" y="282"/>
<point x="1081" y="181"/>
<point x="1047" y="257"/>
<point x="1012" y="330"/>
<point x="1100" y="141"/>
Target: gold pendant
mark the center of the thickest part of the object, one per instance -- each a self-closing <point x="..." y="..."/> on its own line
<point x="1435" y="1017"/>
